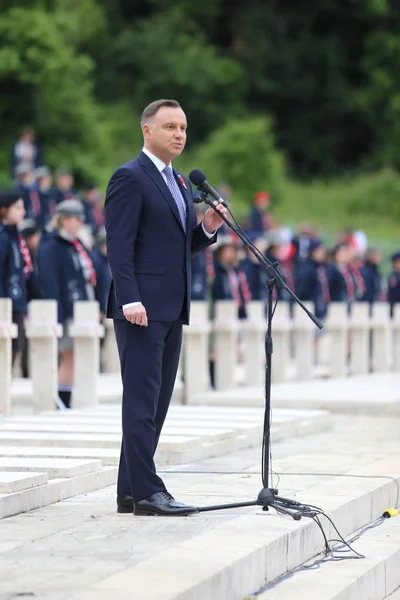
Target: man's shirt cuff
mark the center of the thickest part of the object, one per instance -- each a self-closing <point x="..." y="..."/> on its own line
<point x="124" y="306"/>
<point x="209" y="235"/>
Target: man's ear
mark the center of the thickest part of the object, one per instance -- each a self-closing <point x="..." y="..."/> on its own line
<point x="146" y="131"/>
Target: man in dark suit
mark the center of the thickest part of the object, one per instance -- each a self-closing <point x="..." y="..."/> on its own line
<point x="152" y="232"/>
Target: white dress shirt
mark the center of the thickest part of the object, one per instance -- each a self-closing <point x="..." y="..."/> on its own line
<point x="160" y="166"/>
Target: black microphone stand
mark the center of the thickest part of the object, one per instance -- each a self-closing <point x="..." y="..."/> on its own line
<point x="268" y="496"/>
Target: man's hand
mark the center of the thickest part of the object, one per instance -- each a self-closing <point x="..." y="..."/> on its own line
<point x="212" y="221"/>
<point x="136" y="315"/>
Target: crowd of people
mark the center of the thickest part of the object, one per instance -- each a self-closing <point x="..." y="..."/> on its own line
<point x="349" y="271"/>
<point x="53" y="246"/>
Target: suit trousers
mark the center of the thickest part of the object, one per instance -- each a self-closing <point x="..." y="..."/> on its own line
<point x="149" y="358"/>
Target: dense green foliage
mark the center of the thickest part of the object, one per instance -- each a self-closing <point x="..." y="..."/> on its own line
<point x="315" y="82"/>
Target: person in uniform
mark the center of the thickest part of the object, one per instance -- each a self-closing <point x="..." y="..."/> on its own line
<point x="66" y="274"/>
<point x="15" y="263"/>
<point x="393" y="293"/>
<point x="311" y="279"/>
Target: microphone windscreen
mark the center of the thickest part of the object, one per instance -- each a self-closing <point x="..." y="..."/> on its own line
<point x="197" y="177"/>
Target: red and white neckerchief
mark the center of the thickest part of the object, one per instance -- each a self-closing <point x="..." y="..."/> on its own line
<point x="323" y="279"/>
<point x="209" y="263"/>
<point x="349" y="285"/>
<point x="35" y="202"/>
<point x="238" y="283"/>
<point x="359" y="279"/>
<point x="26" y="255"/>
<point x="288" y="274"/>
<point x="87" y="261"/>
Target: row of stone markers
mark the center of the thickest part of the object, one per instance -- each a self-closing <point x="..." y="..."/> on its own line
<point x="355" y="344"/>
<point x="366" y="340"/>
<point x="43" y="331"/>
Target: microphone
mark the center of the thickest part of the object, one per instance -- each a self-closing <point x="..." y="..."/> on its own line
<point x="198" y="179"/>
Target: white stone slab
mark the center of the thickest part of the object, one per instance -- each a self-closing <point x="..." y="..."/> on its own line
<point x="54" y="467"/>
<point x="54" y="491"/>
<point x="11" y="481"/>
<point x="108" y="456"/>
<point x="174" y="418"/>
<point x="86" y="440"/>
<point x="206" y="431"/>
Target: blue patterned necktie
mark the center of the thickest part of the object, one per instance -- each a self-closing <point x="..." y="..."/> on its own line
<point x="176" y="194"/>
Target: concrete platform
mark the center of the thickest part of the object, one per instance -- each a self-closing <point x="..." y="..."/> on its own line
<point x="352" y="472"/>
<point x="372" y="394"/>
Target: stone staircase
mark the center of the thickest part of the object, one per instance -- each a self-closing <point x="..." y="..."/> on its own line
<point x="352" y="471"/>
<point x="57" y="455"/>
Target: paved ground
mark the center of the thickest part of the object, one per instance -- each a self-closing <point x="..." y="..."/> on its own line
<point x="362" y="394"/>
<point x="59" y="551"/>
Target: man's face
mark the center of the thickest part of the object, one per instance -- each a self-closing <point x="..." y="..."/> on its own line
<point x="28" y="179"/>
<point x="396" y="264"/>
<point x="343" y="255"/>
<point x="319" y="254"/>
<point x="228" y="256"/>
<point x="92" y="196"/>
<point x="376" y="258"/>
<point x="165" y="134"/>
<point x="15" y="213"/>
<point x="33" y="241"/>
<point x="45" y="183"/>
<point x="65" y="181"/>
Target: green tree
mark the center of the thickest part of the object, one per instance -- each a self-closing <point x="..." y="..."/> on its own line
<point x="242" y="153"/>
<point x="46" y="83"/>
<point x="167" y="56"/>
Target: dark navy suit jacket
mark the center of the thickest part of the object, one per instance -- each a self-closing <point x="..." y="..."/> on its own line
<point x="148" y="250"/>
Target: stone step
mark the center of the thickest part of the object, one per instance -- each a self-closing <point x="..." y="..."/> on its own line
<point x="241" y="555"/>
<point x="45" y="493"/>
<point x="207" y="432"/>
<point x="13" y="481"/>
<point x="108" y="456"/>
<point x="87" y="440"/>
<point x="54" y="467"/>
<point x="174" y="417"/>
<point x="374" y="577"/>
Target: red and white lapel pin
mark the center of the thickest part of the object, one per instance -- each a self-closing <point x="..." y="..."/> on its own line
<point x="183" y="182"/>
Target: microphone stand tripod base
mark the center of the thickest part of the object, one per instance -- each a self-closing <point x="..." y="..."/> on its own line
<point x="267" y="498"/>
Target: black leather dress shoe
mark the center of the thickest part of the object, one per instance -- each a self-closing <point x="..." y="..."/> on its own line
<point x="124" y="504"/>
<point x="164" y="505"/>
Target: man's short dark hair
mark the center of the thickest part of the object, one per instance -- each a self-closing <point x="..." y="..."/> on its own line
<point x="153" y="108"/>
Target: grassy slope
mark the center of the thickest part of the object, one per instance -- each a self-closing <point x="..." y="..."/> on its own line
<point x="327" y="207"/>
